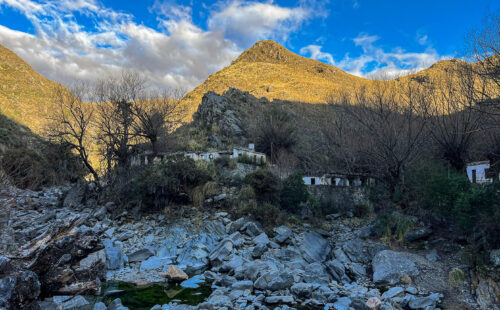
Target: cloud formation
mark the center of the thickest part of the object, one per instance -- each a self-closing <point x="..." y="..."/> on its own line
<point x="176" y="53"/>
<point x="377" y="63"/>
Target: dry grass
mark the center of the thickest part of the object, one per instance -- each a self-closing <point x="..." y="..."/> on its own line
<point x="25" y="95"/>
<point x="269" y="70"/>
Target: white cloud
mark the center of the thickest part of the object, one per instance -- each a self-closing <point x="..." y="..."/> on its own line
<point x="375" y="62"/>
<point x="315" y="53"/>
<point x="175" y="54"/>
<point x="247" y="22"/>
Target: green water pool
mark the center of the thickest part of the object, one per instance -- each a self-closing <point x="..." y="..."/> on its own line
<point x="144" y="297"/>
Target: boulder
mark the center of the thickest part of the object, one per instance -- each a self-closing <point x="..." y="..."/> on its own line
<point x="242" y="285"/>
<point x="495" y="257"/>
<point x="393" y="292"/>
<point x="261" y="239"/>
<point x="155" y="262"/>
<point x="100" y="306"/>
<point x="70" y="302"/>
<point x="96" y="258"/>
<point x="342" y="303"/>
<point x="175" y="274"/>
<point x="251" y="229"/>
<point x="316" y="273"/>
<point x="116" y="305"/>
<point x="487" y="293"/>
<point x="313" y="247"/>
<point x="140" y="255"/>
<point x="424" y="302"/>
<point x="336" y="269"/>
<point x="417" y="234"/>
<point x="389" y="267"/>
<point x="56" y="254"/>
<point x="282" y="234"/>
<point x="221" y="252"/>
<point x="274" y="281"/>
<point x="373" y="303"/>
<point x="355" y="250"/>
<point x="302" y="290"/>
<point x="432" y="256"/>
<point x="19" y="289"/>
<point x="279" y="300"/>
<point x="114" y="258"/>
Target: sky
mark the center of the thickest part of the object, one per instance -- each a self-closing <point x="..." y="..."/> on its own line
<point x="178" y="44"/>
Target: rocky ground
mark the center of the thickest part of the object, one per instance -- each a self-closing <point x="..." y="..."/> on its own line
<point x="53" y="255"/>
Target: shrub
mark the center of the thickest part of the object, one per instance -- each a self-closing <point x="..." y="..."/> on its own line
<point x="246" y="193"/>
<point x="362" y="209"/>
<point x="294" y="193"/>
<point x="478" y="211"/>
<point x="27" y="168"/>
<point x="456" y="277"/>
<point x="394" y="225"/>
<point x="159" y="185"/>
<point x="265" y="185"/>
<point x="267" y="214"/>
<point x="435" y="187"/>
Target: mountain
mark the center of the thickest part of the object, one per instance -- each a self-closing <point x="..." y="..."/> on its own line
<point x="25" y="95"/>
<point x="269" y="70"/>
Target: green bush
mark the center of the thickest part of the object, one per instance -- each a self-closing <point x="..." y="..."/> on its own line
<point x="52" y="164"/>
<point x="294" y="193"/>
<point x="265" y="185"/>
<point x="362" y="209"/>
<point x="394" y="225"/>
<point x="267" y="214"/>
<point x="436" y="187"/>
<point x="478" y="211"/>
<point x="158" y="185"/>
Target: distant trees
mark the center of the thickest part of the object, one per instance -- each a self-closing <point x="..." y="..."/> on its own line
<point x="114" y="115"/>
<point x="389" y="129"/>
<point x="453" y="117"/>
<point x="276" y="133"/>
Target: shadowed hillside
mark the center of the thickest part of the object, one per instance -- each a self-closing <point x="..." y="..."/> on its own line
<point x="25" y="95"/>
<point x="269" y="70"/>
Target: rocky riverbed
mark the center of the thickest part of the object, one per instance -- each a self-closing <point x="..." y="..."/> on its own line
<point x="54" y="257"/>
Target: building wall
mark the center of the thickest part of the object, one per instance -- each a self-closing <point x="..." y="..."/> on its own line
<point x="257" y="157"/>
<point x="480" y="169"/>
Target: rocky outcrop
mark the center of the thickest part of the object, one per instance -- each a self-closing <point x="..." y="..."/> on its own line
<point x="65" y="259"/>
<point x="19" y="289"/>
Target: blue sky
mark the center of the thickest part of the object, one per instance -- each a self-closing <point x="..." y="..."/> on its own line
<point x="179" y="43"/>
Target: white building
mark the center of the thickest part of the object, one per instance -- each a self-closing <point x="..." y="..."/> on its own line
<point x="250" y="154"/>
<point x="246" y="155"/>
<point x="477" y="171"/>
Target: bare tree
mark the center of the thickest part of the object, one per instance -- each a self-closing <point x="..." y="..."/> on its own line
<point x="483" y="45"/>
<point x="454" y="118"/>
<point x="389" y="126"/>
<point x="71" y="123"/>
<point x="158" y="115"/>
<point x="116" y="98"/>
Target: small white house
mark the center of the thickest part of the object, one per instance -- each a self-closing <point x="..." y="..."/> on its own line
<point x="310" y="180"/>
<point x="476" y="171"/>
<point x="250" y="153"/>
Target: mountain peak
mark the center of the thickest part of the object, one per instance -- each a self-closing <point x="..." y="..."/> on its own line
<point x="266" y="51"/>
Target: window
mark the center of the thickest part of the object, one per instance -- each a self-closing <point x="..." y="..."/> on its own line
<point x="313" y="181"/>
<point x="474" y="176"/>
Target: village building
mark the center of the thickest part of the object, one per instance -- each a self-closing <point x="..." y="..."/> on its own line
<point x="338" y="179"/>
<point x="482" y="172"/>
<point x="245" y="154"/>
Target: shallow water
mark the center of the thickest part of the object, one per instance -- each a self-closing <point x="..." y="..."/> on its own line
<point x="144" y="297"/>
